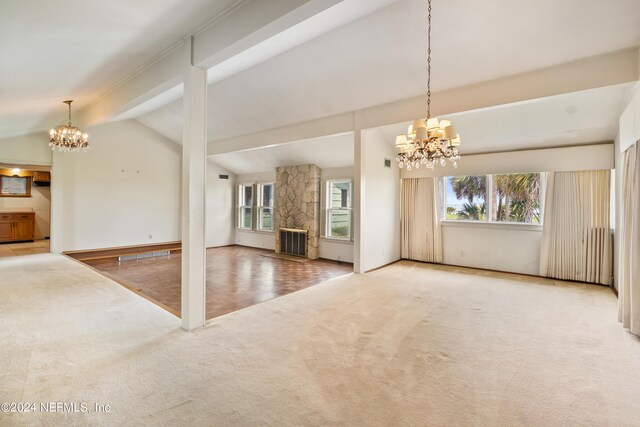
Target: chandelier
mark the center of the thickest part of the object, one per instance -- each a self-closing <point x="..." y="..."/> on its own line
<point x="429" y="140"/>
<point x="68" y="137"/>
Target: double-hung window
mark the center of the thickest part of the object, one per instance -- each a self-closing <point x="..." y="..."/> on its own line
<point x="245" y="206"/>
<point x="338" y="209"/>
<point x="265" y="207"/>
<point x="255" y="206"/>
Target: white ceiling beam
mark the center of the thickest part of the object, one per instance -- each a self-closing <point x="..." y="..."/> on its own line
<point x="599" y="71"/>
<point x="250" y="24"/>
<point x="333" y="125"/>
<point x="242" y="26"/>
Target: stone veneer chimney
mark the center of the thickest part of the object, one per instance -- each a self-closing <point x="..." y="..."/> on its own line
<point x="298" y="203"/>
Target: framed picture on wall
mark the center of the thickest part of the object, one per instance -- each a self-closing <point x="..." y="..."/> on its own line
<point x="15" y="186"/>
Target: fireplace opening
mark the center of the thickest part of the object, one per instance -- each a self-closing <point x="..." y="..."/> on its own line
<point x="293" y="242"/>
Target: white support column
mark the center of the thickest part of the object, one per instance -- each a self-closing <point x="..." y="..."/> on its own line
<point x="358" y="194"/>
<point x="56" y="221"/>
<point x="194" y="158"/>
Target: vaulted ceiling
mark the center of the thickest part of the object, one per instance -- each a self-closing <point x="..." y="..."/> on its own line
<point x="381" y="57"/>
<point x="79" y="49"/>
<point x="377" y="57"/>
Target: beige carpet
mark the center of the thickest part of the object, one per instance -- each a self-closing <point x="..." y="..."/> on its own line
<point x="409" y="344"/>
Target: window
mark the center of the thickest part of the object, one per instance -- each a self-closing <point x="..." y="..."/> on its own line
<point x="465" y="198"/>
<point x="15" y="186"/>
<point x="511" y="197"/>
<point x="245" y="206"/>
<point x="256" y="198"/>
<point x="516" y="197"/>
<point x="265" y="207"/>
<point x="338" y="209"/>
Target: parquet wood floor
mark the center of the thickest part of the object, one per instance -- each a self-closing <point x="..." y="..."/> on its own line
<point x="237" y="277"/>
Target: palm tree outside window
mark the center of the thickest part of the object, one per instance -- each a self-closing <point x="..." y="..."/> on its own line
<point x="511" y="197"/>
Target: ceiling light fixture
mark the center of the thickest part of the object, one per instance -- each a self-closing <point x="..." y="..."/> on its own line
<point x="68" y="137"/>
<point x="428" y="140"/>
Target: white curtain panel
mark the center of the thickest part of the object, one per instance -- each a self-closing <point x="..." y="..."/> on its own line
<point x="420" y="225"/>
<point x="576" y="236"/>
<point x="629" y="268"/>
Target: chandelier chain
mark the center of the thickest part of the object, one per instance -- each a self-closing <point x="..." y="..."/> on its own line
<point x="429" y="140"/>
<point x="429" y="63"/>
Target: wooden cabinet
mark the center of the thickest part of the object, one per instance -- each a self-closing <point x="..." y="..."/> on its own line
<point x="17" y="226"/>
<point x="41" y="177"/>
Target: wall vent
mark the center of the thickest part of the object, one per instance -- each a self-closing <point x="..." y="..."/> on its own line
<point x="223" y="176"/>
<point x="293" y="242"/>
<point x="142" y="256"/>
<point x="387" y="163"/>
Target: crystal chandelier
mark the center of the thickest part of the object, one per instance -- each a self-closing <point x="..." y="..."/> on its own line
<point x="68" y="137"/>
<point x="428" y="140"/>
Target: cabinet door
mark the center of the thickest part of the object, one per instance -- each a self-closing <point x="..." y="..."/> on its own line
<point x="23" y="230"/>
<point x="6" y="231"/>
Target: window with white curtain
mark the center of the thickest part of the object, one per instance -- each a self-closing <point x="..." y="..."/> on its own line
<point x="513" y="197"/>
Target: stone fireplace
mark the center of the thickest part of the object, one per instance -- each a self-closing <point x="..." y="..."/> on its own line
<point x="298" y="203"/>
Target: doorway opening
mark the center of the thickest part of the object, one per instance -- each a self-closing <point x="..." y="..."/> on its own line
<point x="25" y="209"/>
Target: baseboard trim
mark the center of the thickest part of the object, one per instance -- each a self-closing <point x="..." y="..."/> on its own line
<point x="336" y="261"/>
<point x="383" y="266"/>
<point x="89" y="254"/>
<point x="535" y="276"/>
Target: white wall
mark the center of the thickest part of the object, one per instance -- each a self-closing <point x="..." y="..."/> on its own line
<point x="125" y="190"/>
<point x="513" y="248"/>
<point x="337" y="250"/>
<point x="380" y="205"/>
<point x="219" y="224"/>
<point x="258" y="177"/>
<point x="30" y="149"/>
<point x="256" y="239"/>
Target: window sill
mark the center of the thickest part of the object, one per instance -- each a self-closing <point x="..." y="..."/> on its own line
<point x="335" y="240"/>
<point x="495" y="225"/>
